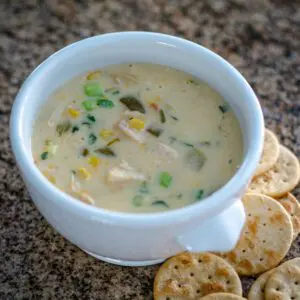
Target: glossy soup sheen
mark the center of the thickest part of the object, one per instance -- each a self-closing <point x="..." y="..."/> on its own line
<point x="137" y="138"/>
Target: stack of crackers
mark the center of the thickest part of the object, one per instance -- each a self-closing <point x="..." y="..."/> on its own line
<point x="273" y="222"/>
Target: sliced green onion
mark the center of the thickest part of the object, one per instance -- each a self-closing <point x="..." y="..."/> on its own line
<point x="144" y="188"/>
<point x="91" y="118"/>
<point x="133" y="104"/>
<point x="106" y="151"/>
<point x="75" y="128"/>
<point x="105" y="103"/>
<point x="155" y="131"/>
<point x="89" y="125"/>
<point x="160" y="203"/>
<point x="113" y="141"/>
<point x="92" y="139"/>
<point x="93" y="89"/>
<point x="85" y="152"/>
<point x="44" y="155"/>
<point x="137" y="200"/>
<point x="162" y="116"/>
<point x="165" y="179"/>
<point x="199" y="194"/>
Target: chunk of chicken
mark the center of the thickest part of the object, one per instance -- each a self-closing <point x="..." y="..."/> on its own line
<point x="77" y="192"/>
<point x="166" y="152"/>
<point x="123" y="173"/>
<point x="137" y="136"/>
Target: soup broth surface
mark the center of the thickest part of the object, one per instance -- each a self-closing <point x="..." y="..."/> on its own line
<point x="137" y="138"/>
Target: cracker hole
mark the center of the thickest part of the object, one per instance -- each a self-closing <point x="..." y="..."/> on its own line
<point x="261" y="259"/>
<point x="280" y="229"/>
<point x="228" y="282"/>
<point x="209" y="277"/>
<point x="192" y="274"/>
<point x="179" y="285"/>
<point x="176" y="267"/>
<point x="168" y="298"/>
<point x="293" y="297"/>
<point x="296" y="282"/>
<point x="264" y="224"/>
<point x="277" y="289"/>
<point x="246" y="232"/>
<point x="198" y="291"/>
<point x="199" y="261"/>
<point x="244" y="250"/>
<point x="292" y="215"/>
<point x="264" y="241"/>
<point x="269" y="209"/>
<point x="249" y="215"/>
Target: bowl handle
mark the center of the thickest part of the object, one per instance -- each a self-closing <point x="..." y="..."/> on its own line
<point x="218" y="234"/>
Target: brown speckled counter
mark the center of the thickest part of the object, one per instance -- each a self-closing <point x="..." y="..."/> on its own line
<point x="260" y="37"/>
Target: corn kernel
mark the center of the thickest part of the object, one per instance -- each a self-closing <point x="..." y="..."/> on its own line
<point x="93" y="75"/>
<point x="84" y="173"/>
<point x="73" y="113"/>
<point x="136" y="124"/>
<point x="106" y="134"/>
<point x="94" y="161"/>
<point x="50" y="177"/>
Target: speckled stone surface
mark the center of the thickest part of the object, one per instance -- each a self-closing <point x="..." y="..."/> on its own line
<point x="260" y="37"/>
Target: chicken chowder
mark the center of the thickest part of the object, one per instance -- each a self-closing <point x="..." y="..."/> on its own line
<point x="137" y="138"/>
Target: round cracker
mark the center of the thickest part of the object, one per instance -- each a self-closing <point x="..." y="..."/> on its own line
<point x="284" y="283"/>
<point x="266" y="237"/>
<point x="257" y="290"/>
<point x="270" y="153"/>
<point x="292" y="206"/>
<point x="193" y="275"/>
<point x="222" y="296"/>
<point x="281" y="178"/>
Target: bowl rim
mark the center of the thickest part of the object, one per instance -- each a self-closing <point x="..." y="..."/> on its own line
<point x="212" y="204"/>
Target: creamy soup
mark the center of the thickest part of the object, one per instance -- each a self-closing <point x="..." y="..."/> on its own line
<point x="137" y="138"/>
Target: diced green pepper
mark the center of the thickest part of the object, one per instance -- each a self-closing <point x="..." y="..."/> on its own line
<point x="160" y="203"/>
<point x="165" y="179"/>
<point x="92" y="89"/>
<point x="92" y="139"/>
<point x="91" y="118"/>
<point x="88" y="105"/>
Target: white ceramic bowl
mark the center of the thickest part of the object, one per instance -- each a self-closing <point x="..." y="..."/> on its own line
<point x="213" y="224"/>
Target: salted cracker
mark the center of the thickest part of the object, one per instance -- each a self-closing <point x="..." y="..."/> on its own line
<point x="257" y="290"/>
<point x="284" y="283"/>
<point x="222" y="296"/>
<point x="266" y="237"/>
<point x="270" y="153"/>
<point x="194" y="275"/>
<point x="281" y="178"/>
<point x="292" y="206"/>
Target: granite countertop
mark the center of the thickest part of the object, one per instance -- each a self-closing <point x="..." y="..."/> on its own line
<point x="260" y="37"/>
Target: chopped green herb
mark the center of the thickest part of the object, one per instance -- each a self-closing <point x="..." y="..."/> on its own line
<point x="162" y="116"/>
<point x="179" y="195"/>
<point x="165" y="179"/>
<point x="85" y="152"/>
<point x="113" y="141"/>
<point x="187" y="144"/>
<point x="199" y="194"/>
<point x="137" y="200"/>
<point x="48" y="142"/>
<point x="92" y="139"/>
<point x="86" y="124"/>
<point x="75" y="128"/>
<point x="44" y="155"/>
<point x="223" y="108"/>
<point x="93" y="89"/>
<point x="133" y="104"/>
<point x="144" y="188"/>
<point x="105" y="151"/>
<point x="91" y="118"/>
<point x="174" y="118"/>
<point x="160" y="203"/>
<point x="205" y="143"/>
<point x="62" y="128"/>
<point x="88" y="105"/>
<point x="155" y="131"/>
<point x="196" y="159"/>
<point x="105" y="103"/>
<point x="172" y="139"/>
<point x="191" y="81"/>
<point x="230" y="161"/>
<point x="113" y="91"/>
